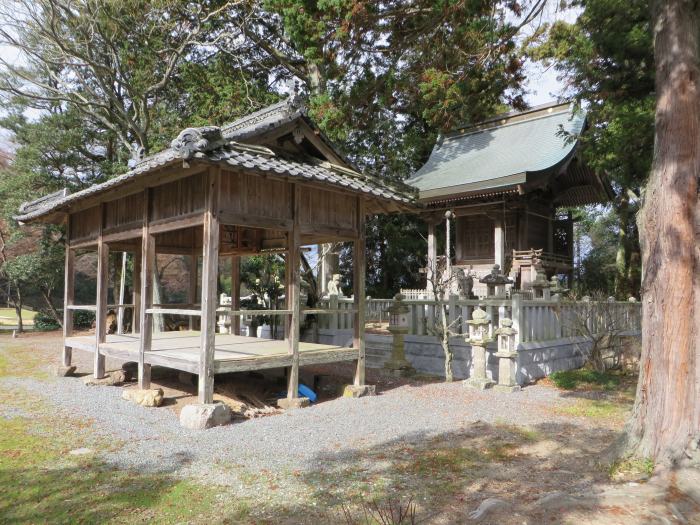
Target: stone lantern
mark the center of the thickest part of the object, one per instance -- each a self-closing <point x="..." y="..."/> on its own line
<point x="541" y="285"/>
<point x="495" y="282"/>
<point x="555" y="286"/>
<point x="398" y="326"/>
<point x="507" y="357"/>
<point x="478" y="339"/>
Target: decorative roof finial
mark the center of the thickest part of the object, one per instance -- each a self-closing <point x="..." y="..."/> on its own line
<point x="194" y="140"/>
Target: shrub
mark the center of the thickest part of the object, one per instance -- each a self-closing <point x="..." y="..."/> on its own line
<point x="570" y="379"/>
<point x="83" y="319"/>
<point x="46" y="322"/>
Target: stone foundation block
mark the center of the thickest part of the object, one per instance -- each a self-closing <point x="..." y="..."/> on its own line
<point x="296" y="402"/>
<point x="507" y="388"/>
<point x="148" y="398"/>
<point x="360" y="391"/>
<point x="64" y="371"/>
<point x="117" y="377"/>
<point x="203" y="416"/>
<point x="478" y="383"/>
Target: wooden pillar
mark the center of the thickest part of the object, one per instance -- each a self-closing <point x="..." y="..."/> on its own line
<point x="210" y="269"/>
<point x="432" y="255"/>
<point x="499" y="243"/>
<point x="101" y="303"/>
<point x="358" y="263"/>
<point x="68" y="298"/>
<point x="122" y="290"/>
<point x="136" y="285"/>
<point x="293" y="286"/>
<point x="192" y="288"/>
<point x="147" y="265"/>
<point x="236" y="293"/>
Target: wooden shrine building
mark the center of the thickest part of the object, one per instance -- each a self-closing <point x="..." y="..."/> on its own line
<point x="269" y="182"/>
<point x="506" y="181"/>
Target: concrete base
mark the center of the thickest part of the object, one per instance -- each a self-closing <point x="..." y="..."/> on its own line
<point x="287" y="403"/>
<point x="203" y="416"/>
<point x="64" y="371"/>
<point x="479" y="383"/>
<point x="507" y="388"/>
<point x="360" y="391"/>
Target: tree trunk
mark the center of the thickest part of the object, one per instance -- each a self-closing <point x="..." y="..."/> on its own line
<point x="445" y="342"/>
<point x="49" y="304"/>
<point x="667" y="408"/>
<point x="622" y="257"/>
<point x="17" y="302"/>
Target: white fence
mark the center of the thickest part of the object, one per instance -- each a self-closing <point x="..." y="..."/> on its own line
<point x="534" y="319"/>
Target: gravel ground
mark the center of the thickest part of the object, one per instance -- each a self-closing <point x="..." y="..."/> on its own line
<point x="296" y="441"/>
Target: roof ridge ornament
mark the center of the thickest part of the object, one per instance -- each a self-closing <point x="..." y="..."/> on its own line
<point x="197" y="140"/>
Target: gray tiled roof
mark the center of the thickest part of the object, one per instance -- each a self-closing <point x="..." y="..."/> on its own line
<point x="500" y="153"/>
<point x="240" y="156"/>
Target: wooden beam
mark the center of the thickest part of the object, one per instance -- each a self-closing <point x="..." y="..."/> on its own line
<point x="499" y="243"/>
<point x="174" y="311"/>
<point x="358" y="341"/>
<point x="101" y="310"/>
<point x="68" y="298"/>
<point x="148" y="262"/>
<point x="210" y="267"/>
<point x="177" y="223"/>
<point x="293" y="286"/>
<point x="235" y="294"/>
<point x="254" y="221"/>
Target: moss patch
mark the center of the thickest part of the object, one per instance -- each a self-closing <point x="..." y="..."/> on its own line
<point x="572" y="379"/>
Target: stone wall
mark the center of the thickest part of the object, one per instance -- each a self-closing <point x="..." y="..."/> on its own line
<point x="535" y="359"/>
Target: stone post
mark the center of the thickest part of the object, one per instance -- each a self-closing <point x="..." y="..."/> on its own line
<point x="478" y="339"/>
<point x="507" y="357"/>
<point x="398" y="326"/>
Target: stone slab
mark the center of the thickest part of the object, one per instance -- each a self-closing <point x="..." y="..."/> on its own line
<point x="477" y="383"/>
<point x="64" y="371"/>
<point x="507" y="388"/>
<point x="205" y="415"/>
<point x="117" y="377"/>
<point x="287" y="403"/>
<point x="150" y="397"/>
<point x="360" y="391"/>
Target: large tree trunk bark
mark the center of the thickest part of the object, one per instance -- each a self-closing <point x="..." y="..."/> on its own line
<point x="667" y="409"/>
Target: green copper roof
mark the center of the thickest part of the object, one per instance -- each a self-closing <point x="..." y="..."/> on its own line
<point x="498" y="153"/>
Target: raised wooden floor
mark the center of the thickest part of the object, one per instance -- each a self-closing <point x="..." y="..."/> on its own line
<point x="233" y="353"/>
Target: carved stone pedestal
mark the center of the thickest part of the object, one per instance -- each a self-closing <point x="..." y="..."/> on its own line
<point x="507" y="367"/>
<point x="478" y="378"/>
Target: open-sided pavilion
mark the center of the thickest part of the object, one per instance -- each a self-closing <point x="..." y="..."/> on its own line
<point x="269" y="182"/>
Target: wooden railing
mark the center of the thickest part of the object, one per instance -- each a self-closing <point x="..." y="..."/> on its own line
<point x="534" y="319"/>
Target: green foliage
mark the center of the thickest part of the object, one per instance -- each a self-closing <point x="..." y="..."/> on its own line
<point x="573" y="379"/>
<point x="607" y="58"/>
<point x="43" y="321"/>
<point x="83" y="319"/>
